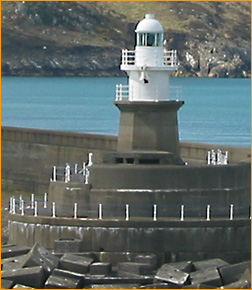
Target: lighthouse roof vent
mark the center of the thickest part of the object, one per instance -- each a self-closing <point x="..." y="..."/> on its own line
<point x="149" y="24"/>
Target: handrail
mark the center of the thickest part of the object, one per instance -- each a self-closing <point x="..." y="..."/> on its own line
<point x="169" y="58"/>
<point x="122" y="93"/>
<point x="41" y="207"/>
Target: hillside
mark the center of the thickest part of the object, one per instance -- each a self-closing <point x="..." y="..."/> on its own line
<point x="82" y="38"/>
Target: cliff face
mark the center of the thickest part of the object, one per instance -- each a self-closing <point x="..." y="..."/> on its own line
<point x="80" y="38"/>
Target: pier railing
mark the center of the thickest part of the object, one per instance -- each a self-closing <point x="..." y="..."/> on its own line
<point x="38" y="205"/>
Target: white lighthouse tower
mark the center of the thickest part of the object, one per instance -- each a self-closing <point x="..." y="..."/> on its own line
<point x="148" y="109"/>
<point x="149" y="65"/>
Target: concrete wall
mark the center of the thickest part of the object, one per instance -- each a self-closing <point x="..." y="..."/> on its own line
<point x="28" y="154"/>
<point x="179" y="241"/>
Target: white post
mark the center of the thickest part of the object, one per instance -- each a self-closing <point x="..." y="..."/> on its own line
<point x="76" y="168"/>
<point x="90" y="161"/>
<point x="75" y="210"/>
<point x="36" y="208"/>
<point x="20" y="201"/>
<point x="213" y="157"/>
<point x="54" y="173"/>
<point x="84" y="168"/>
<point x="53" y="210"/>
<point x="32" y="201"/>
<point x="127" y="212"/>
<point x="67" y="173"/>
<point x="22" y="207"/>
<point x="13" y="205"/>
<point x="231" y="215"/>
<point x="45" y="200"/>
<point x="208" y="157"/>
<point x="226" y="158"/>
<point x="100" y="213"/>
<point x="182" y="212"/>
<point x="208" y="213"/>
<point x="154" y="212"/>
<point x="87" y="176"/>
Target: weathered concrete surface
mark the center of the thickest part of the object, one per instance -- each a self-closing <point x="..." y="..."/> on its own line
<point x="188" y="240"/>
<point x="28" y="154"/>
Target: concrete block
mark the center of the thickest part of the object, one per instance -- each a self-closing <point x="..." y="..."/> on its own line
<point x="211" y="263"/>
<point x="198" y="286"/>
<point x="114" y="286"/>
<point x="20" y="286"/>
<point x="69" y="274"/>
<point x="135" y="268"/>
<point x="6" y="284"/>
<point x="156" y="286"/>
<point x="13" y="251"/>
<point x="246" y="276"/>
<point x="75" y="263"/>
<point x="90" y="280"/>
<point x="150" y="259"/>
<point x="233" y="273"/>
<point x="208" y="276"/>
<point x="33" y="277"/>
<point x="241" y="284"/>
<point x="68" y="246"/>
<point x="186" y="266"/>
<point x="60" y="282"/>
<point x="172" y="275"/>
<point x="12" y="262"/>
<point x="39" y="256"/>
<point x="100" y="268"/>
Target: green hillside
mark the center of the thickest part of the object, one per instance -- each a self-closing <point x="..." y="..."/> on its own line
<point x="84" y="38"/>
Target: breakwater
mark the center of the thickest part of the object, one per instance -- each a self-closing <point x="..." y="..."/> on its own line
<point x="28" y="155"/>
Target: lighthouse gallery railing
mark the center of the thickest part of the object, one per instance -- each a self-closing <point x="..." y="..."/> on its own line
<point x="122" y="92"/>
<point x="129" y="57"/>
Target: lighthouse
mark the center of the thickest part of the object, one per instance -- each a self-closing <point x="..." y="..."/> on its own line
<point x="148" y="109"/>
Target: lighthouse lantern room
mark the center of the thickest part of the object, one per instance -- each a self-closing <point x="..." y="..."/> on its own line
<point x="149" y="65"/>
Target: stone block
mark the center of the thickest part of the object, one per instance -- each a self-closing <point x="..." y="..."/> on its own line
<point x="172" y="275"/>
<point x="150" y="259"/>
<point x="208" y="276"/>
<point x="39" y="256"/>
<point x="100" y="268"/>
<point x="33" y="277"/>
<point x="13" y="251"/>
<point x="6" y="284"/>
<point x="211" y="263"/>
<point x="60" y="282"/>
<point x="68" y="246"/>
<point x="75" y="263"/>
<point x="233" y="273"/>
<point x="135" y="268"/>
<point x="186" y="266"/>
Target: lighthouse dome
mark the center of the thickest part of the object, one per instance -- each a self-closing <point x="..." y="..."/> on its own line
<point x="149" y="24"/>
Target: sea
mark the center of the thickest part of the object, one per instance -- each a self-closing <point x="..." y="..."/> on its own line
<point x="216" y="111"/>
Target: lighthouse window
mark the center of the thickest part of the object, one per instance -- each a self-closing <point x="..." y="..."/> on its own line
<point x="149" y="39"/>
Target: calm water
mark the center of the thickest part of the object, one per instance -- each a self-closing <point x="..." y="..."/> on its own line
<point x="216" y="110"/>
